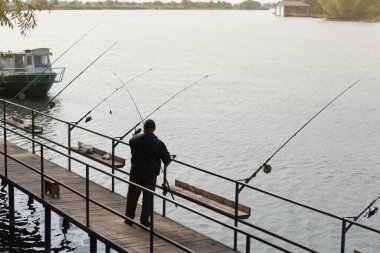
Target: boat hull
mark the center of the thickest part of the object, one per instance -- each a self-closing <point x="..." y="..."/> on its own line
<point x="11" y="85"/>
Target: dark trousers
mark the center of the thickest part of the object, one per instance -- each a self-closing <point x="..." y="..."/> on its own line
<point x="134" y="194"/>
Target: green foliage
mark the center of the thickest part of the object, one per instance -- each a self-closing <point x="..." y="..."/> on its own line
<point x="16" y="13"/>
<point x="249" y="5"/>
<point x="352" y="9"/>
<point x="159" y="4"/>
<point x="5" y="54"/>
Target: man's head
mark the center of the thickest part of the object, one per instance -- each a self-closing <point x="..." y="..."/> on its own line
<point x="149" y="126"/>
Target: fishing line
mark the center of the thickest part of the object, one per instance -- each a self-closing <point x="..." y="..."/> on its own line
<point x="266" y="167"/>
<point x="37" y="78"/>
<point x="193" y="83"/>
<point x="51" y="103"/>
<point x="130" y="95"/>
<point x="117" y="89"/>
<point x="165" y="185"/>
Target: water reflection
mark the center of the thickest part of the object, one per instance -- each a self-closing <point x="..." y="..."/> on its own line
<point x="26" y="234"/>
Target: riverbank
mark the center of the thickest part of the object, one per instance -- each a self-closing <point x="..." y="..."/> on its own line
<point x="156" y="5"/>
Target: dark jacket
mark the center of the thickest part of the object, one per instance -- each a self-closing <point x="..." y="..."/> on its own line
<point x="147" y="153"/>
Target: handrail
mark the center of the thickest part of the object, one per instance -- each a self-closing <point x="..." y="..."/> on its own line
<point x="236" y="182"/>
<point x="138" y="186"/>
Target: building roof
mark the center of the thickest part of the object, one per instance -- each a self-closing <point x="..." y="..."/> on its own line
<point x="292" y="3"/>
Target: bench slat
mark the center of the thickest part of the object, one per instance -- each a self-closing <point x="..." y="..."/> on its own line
<point x="97" y="155"/>
<point x="210" y="200"/>
<point x="19" y="123"/>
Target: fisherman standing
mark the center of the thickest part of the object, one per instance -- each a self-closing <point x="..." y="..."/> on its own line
<point x="147" y="153"/>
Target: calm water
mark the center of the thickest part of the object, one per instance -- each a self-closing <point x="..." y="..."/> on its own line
<point x="268" y="76"/>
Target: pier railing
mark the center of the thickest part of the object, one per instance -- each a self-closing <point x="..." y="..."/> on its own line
<point x="346" y="223"/>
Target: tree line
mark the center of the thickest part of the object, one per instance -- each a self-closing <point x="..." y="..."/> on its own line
<point x="184" y="4"/>
<point x="348" y="9"/>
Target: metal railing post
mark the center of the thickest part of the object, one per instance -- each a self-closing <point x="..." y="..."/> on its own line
<point x="236" y="217"/>
<point x="42" y="172"/>
<point x="343" y="240"/>
<point x="5" y="141"/>
<point x="5" y="153"/>
<point x="248" y="244"/>
<point x="4" y="111"/>
<point x="33" y="148"/>
<point x="164" y="192"/>
<point x="11" y="200"/>
<point x="47" y="229"/>
<point x="113" y="164"/>
<point x="87" y="196"/>
<point x="151" y="222"/>
<point x="69" y="145"/>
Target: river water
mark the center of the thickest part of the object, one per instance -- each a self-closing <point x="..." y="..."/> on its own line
<point x="267" y="77"/>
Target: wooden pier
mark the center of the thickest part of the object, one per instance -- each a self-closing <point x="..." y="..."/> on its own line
<point x="103" y="224"/>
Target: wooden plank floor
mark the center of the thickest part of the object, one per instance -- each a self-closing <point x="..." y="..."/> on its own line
<point x="108" y="225"/>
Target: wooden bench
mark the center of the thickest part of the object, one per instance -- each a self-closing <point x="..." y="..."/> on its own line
<point x="19" y="123"/>
<point x="210" y="200"/>
<point x="98" y="154"/>
<point x="51" y="188"/>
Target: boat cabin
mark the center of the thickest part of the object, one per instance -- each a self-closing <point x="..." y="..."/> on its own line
<point x="27" y="62"/>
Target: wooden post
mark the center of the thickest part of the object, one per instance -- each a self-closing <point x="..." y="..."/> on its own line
<point x="108" y="249"/>
<point x="47" y="229"/>
<point x="93" y="246"/>
<point x="11" y="205"/>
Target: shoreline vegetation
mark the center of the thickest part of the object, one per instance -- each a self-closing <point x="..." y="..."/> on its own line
<point x="363" y="10"/>
<point x="155" y="5"/>
<point x="22" y="14"/>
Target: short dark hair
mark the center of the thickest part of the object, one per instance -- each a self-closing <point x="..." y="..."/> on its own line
<point x="149" y="124"/>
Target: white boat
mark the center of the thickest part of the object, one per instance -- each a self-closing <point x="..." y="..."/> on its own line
<point x="17" y="70"/>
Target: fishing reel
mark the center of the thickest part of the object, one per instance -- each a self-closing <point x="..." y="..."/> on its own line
<point x="267" y="168"/>
<point x="21" y="96"/>
<point x="137" y="131"/>
<point x="51" y="105"/>
<point x="371" y="212"/>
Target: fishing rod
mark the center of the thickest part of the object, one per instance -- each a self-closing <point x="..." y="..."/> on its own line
<point x="266" y="167"/>
<point x="369" y="214"/>
<point x="51" y="103"/>
<point x="165" y="185"/>
<point x="101" y="102"/>
<point x="37" y="78"/>
<point x="139" y="130"/>
<point x="130" y="95"/>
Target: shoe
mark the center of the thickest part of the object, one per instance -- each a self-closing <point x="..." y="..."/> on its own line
<point x="145" y="223"/>
<point x="128" y="222"/>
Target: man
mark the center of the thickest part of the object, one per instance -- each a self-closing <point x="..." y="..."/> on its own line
<point x="147" y="153"/>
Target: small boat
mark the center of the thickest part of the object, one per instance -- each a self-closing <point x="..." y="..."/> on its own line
<point x="17" y="70"/>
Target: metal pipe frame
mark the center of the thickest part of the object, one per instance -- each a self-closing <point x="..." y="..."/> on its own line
<point x="71" y="126"/>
